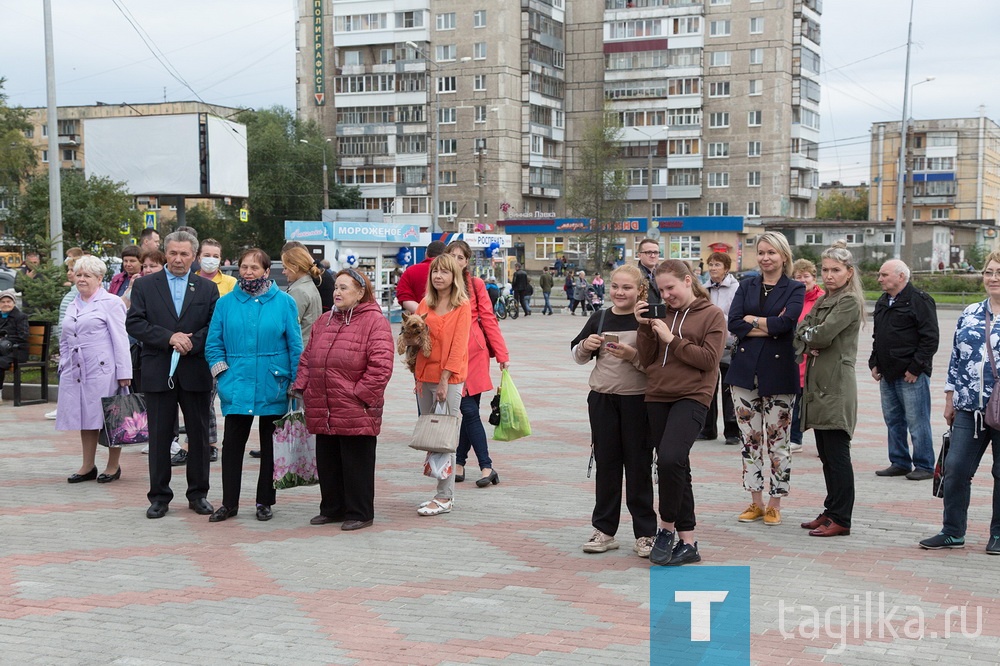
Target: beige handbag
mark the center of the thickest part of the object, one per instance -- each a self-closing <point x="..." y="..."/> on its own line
<point x="437" y="432"/>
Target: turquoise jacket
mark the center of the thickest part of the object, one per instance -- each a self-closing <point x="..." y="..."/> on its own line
<point x="253" y="348"/>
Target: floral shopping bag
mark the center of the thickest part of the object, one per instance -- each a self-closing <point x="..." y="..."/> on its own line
<point x="294" y="451"/>
<point x="124" y="419"/>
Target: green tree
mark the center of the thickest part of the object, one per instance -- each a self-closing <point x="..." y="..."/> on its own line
<point x="43" y="290"/>
<point x="597" y="187"/>
<point x="222" y="223"/>
<point x="286" y="175"/>
<point x="17" y="156"/>
<point x="95" y="210"/>
<point x="839" y="206"/>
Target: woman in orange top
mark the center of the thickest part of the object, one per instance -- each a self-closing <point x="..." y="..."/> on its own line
<point x="441" y="376"/>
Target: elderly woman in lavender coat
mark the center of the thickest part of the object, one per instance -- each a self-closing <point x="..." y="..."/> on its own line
<point x="94" y="361"/>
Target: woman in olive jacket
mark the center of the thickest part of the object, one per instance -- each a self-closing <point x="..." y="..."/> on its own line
<point x="828" y="337"/>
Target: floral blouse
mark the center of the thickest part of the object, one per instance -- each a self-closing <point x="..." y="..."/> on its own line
<point x="969" y="373"/>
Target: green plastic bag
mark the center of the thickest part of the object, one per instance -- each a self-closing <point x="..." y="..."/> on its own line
<point x="513" y="417"/>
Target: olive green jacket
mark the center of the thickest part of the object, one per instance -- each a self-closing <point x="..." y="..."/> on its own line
<point x="830" y="396"/>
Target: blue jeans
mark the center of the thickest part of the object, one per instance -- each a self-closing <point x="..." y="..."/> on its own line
<point x="548" y="306"/>
<point x="964" y="456"/>
<point x="472" y="434"/>
<point x="795" y="432"/>
<point x="905" y="407"/>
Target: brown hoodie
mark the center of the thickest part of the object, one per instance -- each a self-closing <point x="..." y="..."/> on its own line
<point x="690" y="367"/>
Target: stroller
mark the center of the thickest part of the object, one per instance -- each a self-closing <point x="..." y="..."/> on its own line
<point x="593" y="302"/>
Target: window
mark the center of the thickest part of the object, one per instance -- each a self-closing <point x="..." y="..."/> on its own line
<point x="683" y="147"/>
<point x="480" y="114"/>
<point x="718" y="179"/>
<point x="385" y="57"/>
<point x="754" y="118"/>
<point x="447" y="115"/>
<point x="718" y="150"/>
<point x="756" y="56"/>
<point x="688" y="116"/>
<point x="536" y="144"/>
<point x="718" y="208"/>
<point x="479" y="146"/>
<point x="446" y="21"/>
<point x="447" y="146"/>
<point x="685" y="25"/>
<point x="683" y="208"/>
<point x="756" y="25"/>
<point x="45" y="154"/>
<point x="690" y="86"/>
<point x="446" y="84"/>
<point x="68" y="155"/>
<point x="29" y="133"/>
<point x="635" y="28"/>
<point x="810" y="60"/>
<point x="413" y="205"/>
<point x="753" y="149"/>
<point x="479" y="18"/>
<point x="753" y="209"/>
<point x="718" y="89"/>
<point x="657" y="210"/>
<point x="756" y="87"/>
<point x="939" y="213"/>
<point x="479" y="82"/>
<point x="448" y="177"/>
<point x="445" y="52"/>
<point x="360" y="22"/>
<point x="352" y="58"/>
<point x="721" y="59"/>
<point x="685" y="247"/>
<point x="558" y="119"/>
<point x="718" y="119"/>
<point x="720" y="2"/>
<point x="814" y="238"/>
<point x="854" y="238"/>
<point x="479" y="51"/>
<point x="409" y="19"/>
<point x="753" y="179"/>
<point x="447" y="208"/>
<point x="684" y="177"/>
<point x="888" y="237"/>
<point x="722" y="28"/>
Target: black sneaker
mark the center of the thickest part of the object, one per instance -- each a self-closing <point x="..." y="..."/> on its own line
<point x="662" y="547"/>
<point x="993" y="547"/>
<point x="939" y="541"/>
<point x="213" y="453"/>
<point x="684" y="553"/>
<point x="180" y="458"/>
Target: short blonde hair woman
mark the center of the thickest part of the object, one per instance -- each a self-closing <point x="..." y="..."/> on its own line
<point x="302" y="273"/>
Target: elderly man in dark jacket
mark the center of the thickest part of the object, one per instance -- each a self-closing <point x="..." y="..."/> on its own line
<point x="905" y="338"/>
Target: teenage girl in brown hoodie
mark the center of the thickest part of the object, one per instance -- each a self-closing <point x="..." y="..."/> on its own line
<point x="681" y="356"/>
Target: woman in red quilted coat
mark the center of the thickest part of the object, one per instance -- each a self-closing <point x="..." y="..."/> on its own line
<point x="342" y="376"/>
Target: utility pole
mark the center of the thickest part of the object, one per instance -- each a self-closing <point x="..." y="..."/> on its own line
<point x="481" y="177"/>
<point x="649" y="184"/>
<point x="908" y="254"/>
<point x="901" y="167"/>
<point x="52" y="121"/>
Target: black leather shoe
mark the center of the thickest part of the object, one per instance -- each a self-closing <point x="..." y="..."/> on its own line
<point x="459" y="478"/>
<point x="324" y="520"/>
<point x="732" y="441"/>
<point x="264" y="512"/>
<point x="222" y="513"/>
<point x="80" y="478"/>
<point x="915" y="475"/>
<point x="254" y="453"/>
<point x="179" y="458"/>
<point x="892" y="470"/>
<point x="201" y="506"/>
<point x="706" y="436"/>
<point x="213" y="453"/>
<point x="108" y="478"/>
<point x="356" y="525"/>
<point x="157" y="510"/>
<point x="493" y="478"/>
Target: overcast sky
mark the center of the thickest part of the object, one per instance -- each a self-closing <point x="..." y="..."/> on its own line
<point x="242" y="53"/>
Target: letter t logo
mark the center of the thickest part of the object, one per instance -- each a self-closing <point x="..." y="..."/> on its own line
<point x="701" y="610"/>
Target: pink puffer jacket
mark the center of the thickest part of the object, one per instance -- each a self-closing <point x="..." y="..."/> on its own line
<point x="344" y="370"/>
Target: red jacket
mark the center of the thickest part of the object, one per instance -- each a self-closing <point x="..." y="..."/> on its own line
<point x="807" y="304"/>
<point x="412" y="285"/>
<point x="344" y="370"/>
<point x="478" y="379"/>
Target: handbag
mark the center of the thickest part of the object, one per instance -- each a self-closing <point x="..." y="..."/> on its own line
<point x="294" y="451"/>
<point x="494" y="418"/>
<point x="125" y="421"/>
<point x="992" y="412"/>
<point x="938" y="488"/>
<point x="437" y="432"/>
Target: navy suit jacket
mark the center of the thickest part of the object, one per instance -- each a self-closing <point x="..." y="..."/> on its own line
<point x="770" y="360"/>
<point x="152" y="319"/>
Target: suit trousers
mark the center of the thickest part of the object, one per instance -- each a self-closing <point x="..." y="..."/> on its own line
<point x="234" y="445"/>
<point x="161" y="408"/>
<point x="346" y="467"/>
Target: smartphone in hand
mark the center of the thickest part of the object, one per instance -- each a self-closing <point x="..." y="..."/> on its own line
<point x="655" y="311"/>
<point x="610" y="339"/>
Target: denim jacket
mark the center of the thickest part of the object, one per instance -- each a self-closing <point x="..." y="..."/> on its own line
<point x="969" y="373"/>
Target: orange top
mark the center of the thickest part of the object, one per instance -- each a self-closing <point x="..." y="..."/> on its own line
<point x="449" y="345"/>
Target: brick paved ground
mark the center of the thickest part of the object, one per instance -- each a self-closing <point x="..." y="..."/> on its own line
<point x="86" y="578"/>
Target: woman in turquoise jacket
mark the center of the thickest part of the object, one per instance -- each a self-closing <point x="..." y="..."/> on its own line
<point x="253" y="348"/>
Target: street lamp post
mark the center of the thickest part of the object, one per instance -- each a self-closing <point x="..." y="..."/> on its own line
<point x="908" y="180"/>
<point x="326" y="177"/>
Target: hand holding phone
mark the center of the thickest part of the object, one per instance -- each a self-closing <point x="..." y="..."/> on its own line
<point x="655" y="311"/>
<point x="610" y="339"/>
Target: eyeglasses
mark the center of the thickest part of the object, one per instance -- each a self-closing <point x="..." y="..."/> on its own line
<point x="651" y="253"/>
<point x="989" y="275"/>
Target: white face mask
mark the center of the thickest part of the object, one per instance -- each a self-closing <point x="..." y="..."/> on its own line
<point x="209" y="264"/>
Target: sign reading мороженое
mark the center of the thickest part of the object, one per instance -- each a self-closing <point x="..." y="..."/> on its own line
<point x="699" y="615"/>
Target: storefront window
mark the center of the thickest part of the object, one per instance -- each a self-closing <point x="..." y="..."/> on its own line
<point x="685" y="247"/>
<point x="548" y="247"/>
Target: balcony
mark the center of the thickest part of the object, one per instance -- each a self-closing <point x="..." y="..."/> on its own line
<point x="931" y="200"/>
<point x="69" y="139"/>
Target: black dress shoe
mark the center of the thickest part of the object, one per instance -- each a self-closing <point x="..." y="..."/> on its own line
<point x="179" y="458"/>
<point x="892" y="470"/>
<point x="80" y="478"/>
<point x="157" y="510"/>
<point x="324" y="520"/>
<point x="213" y="453"/>
<point x="732" y="441"/>
<point x="356" y="525"/>
<point x="222" y="513"/>
<point x="493" y="478"/>
<point x="201" y="506"/>
<point x="264" y="512"/>
<point x="108" y="478"/>
<point x="459" y="478"/>
<point x="915" y="475"/>
<point x="254" y="453"/>
<point x="706" y="436"/>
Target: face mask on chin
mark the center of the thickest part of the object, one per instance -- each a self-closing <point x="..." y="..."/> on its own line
<point x="210" y="264"/>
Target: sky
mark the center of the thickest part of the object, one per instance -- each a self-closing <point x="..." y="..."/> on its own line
<point x="241" y="53"/>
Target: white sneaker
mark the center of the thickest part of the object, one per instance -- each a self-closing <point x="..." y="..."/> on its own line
<point x="795" y="447"/>
<point x="51" y="416"/>
<point x="145" y="449"/>
<point x="175" y="446"/>
<point x="600" y="543"/>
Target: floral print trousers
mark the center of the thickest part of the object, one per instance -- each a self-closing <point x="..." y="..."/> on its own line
<point x="765" y="422"/>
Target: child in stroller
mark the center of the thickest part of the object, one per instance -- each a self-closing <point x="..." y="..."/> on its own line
<point x="593" y="302"/>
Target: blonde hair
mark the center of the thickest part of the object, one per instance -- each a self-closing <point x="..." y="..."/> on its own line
<point x="298" y="259"/>
<point x="778" y="241"/>
<point x="680" y="269"/>
<point x="634" y="273"/>
<point x="838" y="252"/>
<point x="804" y="266"/>
<point x="458" y="294"/>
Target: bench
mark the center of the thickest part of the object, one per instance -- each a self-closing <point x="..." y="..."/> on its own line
<point x="39" y="336"/>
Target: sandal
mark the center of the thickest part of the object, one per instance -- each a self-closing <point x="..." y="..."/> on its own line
<point x="434" y="507"/>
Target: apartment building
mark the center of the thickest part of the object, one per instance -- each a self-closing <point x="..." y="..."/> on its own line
<point x="446" y="115"/>
<point x="955" y="170"/>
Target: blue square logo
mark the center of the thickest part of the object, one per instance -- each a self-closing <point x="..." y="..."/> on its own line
<point x="699" y="615"/>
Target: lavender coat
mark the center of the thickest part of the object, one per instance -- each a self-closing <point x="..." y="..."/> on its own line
<point x="93" y="356"/>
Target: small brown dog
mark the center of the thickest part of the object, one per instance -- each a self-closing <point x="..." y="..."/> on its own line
<point x="414" y="336"/>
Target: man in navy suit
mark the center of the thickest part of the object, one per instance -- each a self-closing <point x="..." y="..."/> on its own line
<point x="170" y="313"/>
